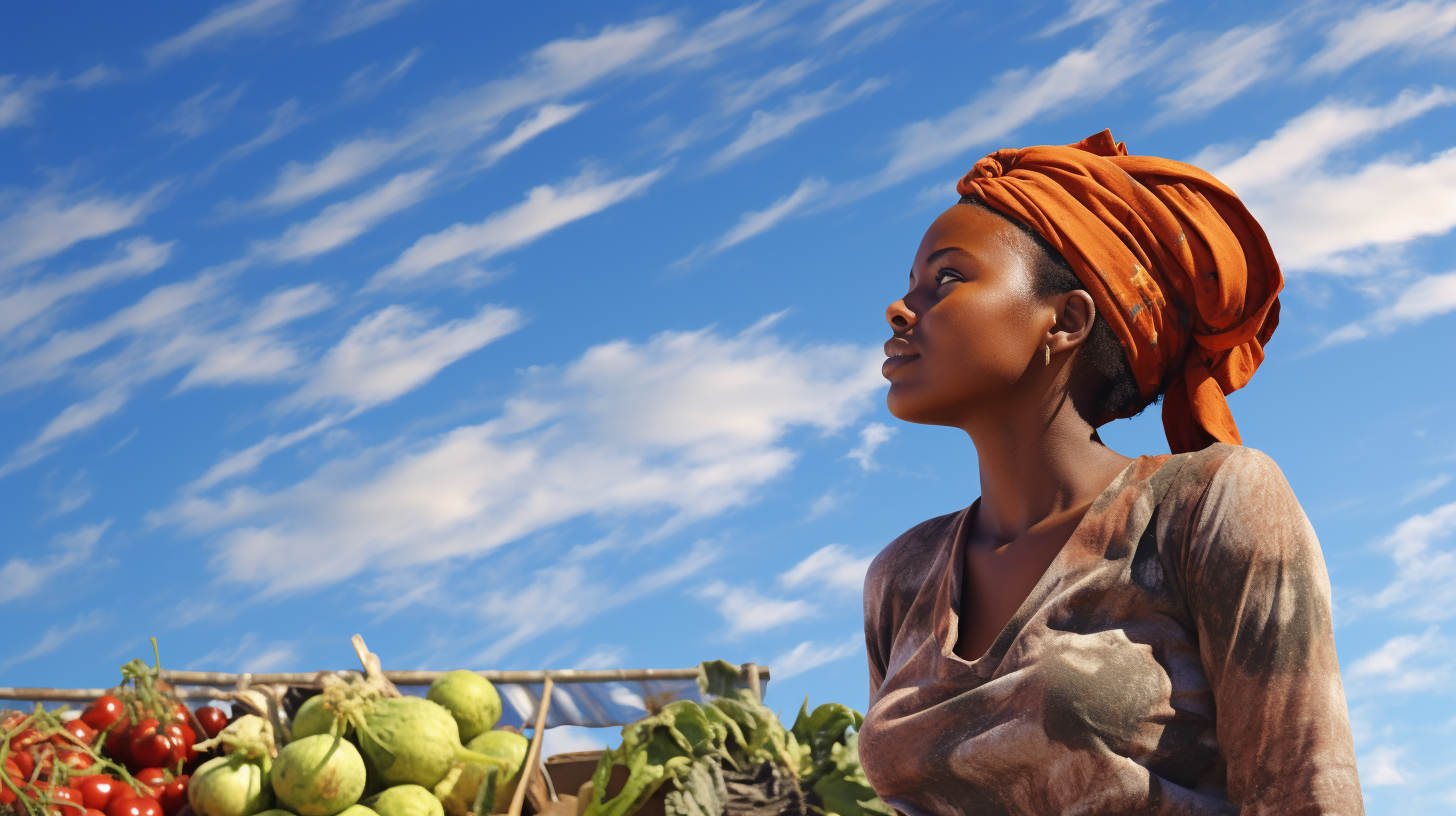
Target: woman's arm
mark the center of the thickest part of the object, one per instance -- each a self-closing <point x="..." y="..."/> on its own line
<point x="1260" y="597"/>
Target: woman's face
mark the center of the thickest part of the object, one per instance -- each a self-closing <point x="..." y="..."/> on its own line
<point x="970" y="328"/>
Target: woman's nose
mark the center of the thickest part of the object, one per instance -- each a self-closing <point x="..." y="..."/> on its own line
<point x="899" y="316"/>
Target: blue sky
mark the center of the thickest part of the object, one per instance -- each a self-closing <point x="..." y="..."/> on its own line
<point x="546" y="335"/>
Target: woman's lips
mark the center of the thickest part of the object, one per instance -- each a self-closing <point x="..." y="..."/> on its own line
<point x="900" y="352"/>
<point x="896" y="362"/>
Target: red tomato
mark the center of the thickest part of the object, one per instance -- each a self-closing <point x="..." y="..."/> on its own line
<point x="118" y="738"/>
<point x="133" y="806"/>
<point x="95" y="812"/>
<point x="26" y="738"/>
<point x="69" y="800"/>
<point x="153" y="778"/>
<point x="97" y="790"/>
<point x="102" y="713"/>
<point x="75" y="758"/>
<point x="9" y="723"/>
<point x="173" y="796"/>
<point x="79" y="730"/>
<point x="24" y="764"/>
<point x="212" y="719"/>
<point x="149" y="746"/>
<point x="183" y="738"/>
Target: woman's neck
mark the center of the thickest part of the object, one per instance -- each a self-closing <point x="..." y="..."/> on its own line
<point x="1037" y="465"/>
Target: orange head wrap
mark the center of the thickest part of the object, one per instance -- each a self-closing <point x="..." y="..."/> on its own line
<point x="1175" y="263"/>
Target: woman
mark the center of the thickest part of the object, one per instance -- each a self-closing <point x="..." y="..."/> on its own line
<point x="1098" y="634"/>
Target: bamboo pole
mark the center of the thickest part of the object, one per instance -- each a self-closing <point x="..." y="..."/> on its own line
<point x="229" y="680"/>
<point x="533" y="754"/>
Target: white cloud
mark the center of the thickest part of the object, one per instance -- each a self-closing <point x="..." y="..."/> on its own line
<point x="1319" y="219"/>
<point x="197" y="115"/>
<point x="341" y="223"/>
<point x="685" y="426"/>
<point x="1426" y="487"/>
<point x="285" y="119"/>
<point x="738" y="96"/>
<point x="545" y="209"/>
<point x="808" y="656"/>
<point x="19" y="97"/>
<point x="766" y="127"/>
<point x="545" y="118"/>
<point x="1425" y="580"/>
<point x="566" y="739"/>
<point x="1415" y="27"/>
<point x="73" y="420"/>
<point x="136" y="257"/>
<point x="48" y="223"/>
<point x="452" y="124"/>
<point x="759" y="20"/>
<point x="361" y="14"/>
<point x="565" y="595"/>
<point x="850" y="13"/>
<point x="1431" y="296"/>
<point x="394" y="351"/>
<point x="250" y="351"/>
<point x="250" y="654"/>
<point x="364" y="82"/>
<point x="871" y="436"/>
<point x="832" y="567"/>
<point x="1221" y="70"/>
<point x="351" y="160"/>
<point x="1379" y="767"/>
<point x="225" y="22"/>
<point x="248" y="459"/>
<point x="754" y="223"/>
<point x="1397" y="665"/>
<point x="746" y="612"/>
<point x="57" y="636"/>
<point x="23" y="577"/>
<point x="1079" y="78"/>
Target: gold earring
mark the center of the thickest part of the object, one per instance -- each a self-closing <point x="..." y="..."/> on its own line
<point x="1049" y="354"/>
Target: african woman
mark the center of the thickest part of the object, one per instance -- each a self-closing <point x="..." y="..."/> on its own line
<point x="1097" y="634"/>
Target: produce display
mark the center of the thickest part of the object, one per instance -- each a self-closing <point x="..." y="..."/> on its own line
<point x="360" y="748"/>
<point x="693" y="749"/>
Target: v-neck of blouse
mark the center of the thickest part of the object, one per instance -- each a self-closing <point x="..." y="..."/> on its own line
<point x="953" y="577"/>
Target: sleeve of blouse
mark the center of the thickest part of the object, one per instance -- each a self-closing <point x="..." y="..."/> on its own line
<point x="1260" y="596"/>
<point x="876" y="644"/>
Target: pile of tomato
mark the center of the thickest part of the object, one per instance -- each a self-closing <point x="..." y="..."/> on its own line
<point x="103" y="763"/>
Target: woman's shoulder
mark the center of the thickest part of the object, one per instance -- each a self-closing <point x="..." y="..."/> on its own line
<point x="1222" y="472"/>
<point x="907" y="560"/>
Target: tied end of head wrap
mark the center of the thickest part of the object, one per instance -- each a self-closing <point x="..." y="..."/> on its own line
<point x="1177" y="266"/>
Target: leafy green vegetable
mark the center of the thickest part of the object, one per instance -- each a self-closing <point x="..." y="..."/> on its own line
<point x="688" y="745"/>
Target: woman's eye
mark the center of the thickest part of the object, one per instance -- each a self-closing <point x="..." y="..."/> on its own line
<point x="946" y="275"/>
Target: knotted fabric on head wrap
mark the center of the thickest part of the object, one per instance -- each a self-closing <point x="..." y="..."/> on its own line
<point x="1176" y="265"/>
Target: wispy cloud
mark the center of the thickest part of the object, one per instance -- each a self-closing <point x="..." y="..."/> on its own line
<point x="545" y="118"/>
<point x="73" y="420"/>
<point x="341" y="223"/>
<point x="847" y="14"/>
<point x="198" y="114"/>
<point x="368" y="81"/>
<point x="740" y="95"/>
<point x="1381" y="767"/>
<point x="225" y="22"/>
<point x="546" y="208"/>
<point x="1426" y="487"/>
<point x="55" y="637"/>
<point x="1414" y="27"/>
<point x="1319" y="218"/>
<point x="19" y="98"/>
<point x="832" y="567"/>
<point x="250" y="653"/>
<point x="347" y="162"/>
<point x="871" y="437"/>
<point x="24" y="577"/>
<point x="1080" y="77"/>
<point x="396" y="350"/>
<point x="1425" y="579"/>
<point x="49" y="222"/>
<point x="358" y="15"/>
<point x="679" y="427"/>
<point x="286" y="118"/>
<point x="746" y="612"/>
<point x="1217" y="72"/>
<point x="769" y="126"/>
<point x="808" y="655"/>
<point x="1431" y="296"/>
<point x="251" y="350"/>
<point x="755" y="223"/>
<point x="135" y="257"/>
<point x="1404" y="663"/>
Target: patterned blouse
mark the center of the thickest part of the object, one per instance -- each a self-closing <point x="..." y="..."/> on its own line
<point x="1177" y="657"/>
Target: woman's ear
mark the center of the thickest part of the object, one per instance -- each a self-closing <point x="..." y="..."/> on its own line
<point x="1075" y="314"/>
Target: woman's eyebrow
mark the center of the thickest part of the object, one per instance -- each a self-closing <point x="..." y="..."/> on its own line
<point x="929" y="259"/>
